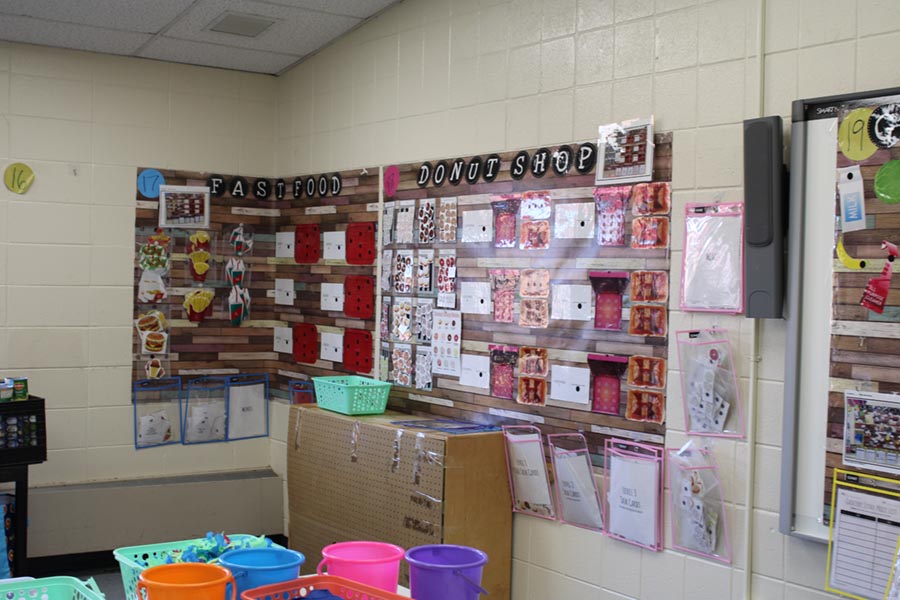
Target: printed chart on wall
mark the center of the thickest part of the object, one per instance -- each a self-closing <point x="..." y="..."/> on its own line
<point x="864" y="420"/>
<point x="865" y="527"/>
<point x="532" y="272"/>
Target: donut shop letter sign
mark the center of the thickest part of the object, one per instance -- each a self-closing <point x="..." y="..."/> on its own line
<point x="560" y="161"/>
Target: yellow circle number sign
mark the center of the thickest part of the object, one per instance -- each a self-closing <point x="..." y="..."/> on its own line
<point x="853" y="135"/>
<point x="18" y="177"/>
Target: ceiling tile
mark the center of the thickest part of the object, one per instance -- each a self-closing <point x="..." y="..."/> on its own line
<point x="65" y="35"/>
<point x="211" y="55"/>
<point x="129" y="15"/>
<point x="355" y="8"/>
<point x="296" y="31"/>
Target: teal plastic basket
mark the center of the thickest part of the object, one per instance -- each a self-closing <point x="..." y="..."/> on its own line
<point x="51" y="588"/>
<point x="134" y="559"/>
<point x="352" y="395"/>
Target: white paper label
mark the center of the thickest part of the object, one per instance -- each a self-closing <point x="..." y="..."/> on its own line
<point x="333" y="245"/>
<point x="284" y="292"/>
<point x="853" y="202"/>
<point x="284" y="244"/>
<point x="572" y="302"/>
<point x="574" y="221"/>
<point x="476" y="371"/>
<point x="475" y="297"/>
<point x="333" y="297"/>
<point x="478" y="226"/>
<point x="633" y="498"/>
<point x="332" y="347"/>
<point x="570" y="384"/>
<point x="246" y="411"/>
<point x="284" y="340"/>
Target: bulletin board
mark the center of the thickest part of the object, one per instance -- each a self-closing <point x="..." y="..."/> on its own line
<point x="213" y="346"/>
<point x="845" y="221"/>
<point x="355" y="206"/>
<point x="317" y="278"/>
<point x="568" y="261"/>
<point x="283" y="293"/>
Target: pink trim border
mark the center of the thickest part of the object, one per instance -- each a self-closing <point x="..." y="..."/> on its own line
<point x="726" y="214"/>
<point x="508" y="439"/>
<point x="727" y="558"/>
<point x="584" y="451"/>
<point x="742" y="424"/>
<point x="641" y="452"/>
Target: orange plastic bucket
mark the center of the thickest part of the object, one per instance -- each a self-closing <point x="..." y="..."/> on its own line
<point x="185" y="581"/>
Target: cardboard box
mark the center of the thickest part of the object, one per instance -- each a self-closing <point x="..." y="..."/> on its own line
<point x="361" y="478"/>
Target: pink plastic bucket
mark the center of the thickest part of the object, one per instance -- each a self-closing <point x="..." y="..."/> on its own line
<point x="371" y="563"/>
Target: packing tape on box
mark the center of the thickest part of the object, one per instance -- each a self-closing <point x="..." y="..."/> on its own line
<point x="422" y="455"/>
<point x="297" y="431"/>
<point x="395" y="459"/>
<point x="354" y="442"/>
<point x="417" y="463"/>
<point x="422" y="499"/>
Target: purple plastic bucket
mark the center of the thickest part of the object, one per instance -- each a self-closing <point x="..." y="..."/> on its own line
<point x="445" y="572"/>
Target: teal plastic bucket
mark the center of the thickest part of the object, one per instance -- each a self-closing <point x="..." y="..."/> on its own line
<point x="255" y="567"/>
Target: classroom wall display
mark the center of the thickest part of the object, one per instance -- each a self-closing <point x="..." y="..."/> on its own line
<point x="443" y="292"/>
<point x="844" y="151"/>
<point x="207" y="300"/>
<point x="511" y="245"/>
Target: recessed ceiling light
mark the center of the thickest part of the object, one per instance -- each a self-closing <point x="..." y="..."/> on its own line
<point x="241" y="24"/>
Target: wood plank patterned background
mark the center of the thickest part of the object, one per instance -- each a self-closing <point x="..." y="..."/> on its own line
<point x="865" y="346"/>
<point x="568" y="342"/>
<point x="215" y="346"/>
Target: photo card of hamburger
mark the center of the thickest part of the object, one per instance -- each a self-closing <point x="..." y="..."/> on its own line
<point x="152" y="320"/>
<point x="154" y="342"/>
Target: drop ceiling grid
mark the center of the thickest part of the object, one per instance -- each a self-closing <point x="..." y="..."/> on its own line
<point x="177" y="30"/>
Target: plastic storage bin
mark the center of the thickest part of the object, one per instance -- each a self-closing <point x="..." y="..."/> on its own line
<point x="352" y="395"/>
<point x="302" y="392"/>
<point x="23" y="432"/>
<point x="134" y="559"/>
<point x="51" y="588"/>
<point x="300" y="588"/>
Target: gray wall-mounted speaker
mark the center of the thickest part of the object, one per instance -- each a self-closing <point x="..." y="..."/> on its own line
<point x="765" y="219"/>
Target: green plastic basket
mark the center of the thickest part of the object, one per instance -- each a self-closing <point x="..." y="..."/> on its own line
<point x="352" y="395"/>
<point x="134" y="559"/>
<point x="51" y="588"/>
